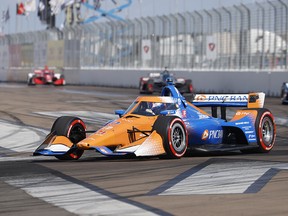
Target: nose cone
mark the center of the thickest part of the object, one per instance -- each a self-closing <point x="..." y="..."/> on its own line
<point x="48" y="78"/>
<point x="100" y="138"/>
<point x="85" y="144"/>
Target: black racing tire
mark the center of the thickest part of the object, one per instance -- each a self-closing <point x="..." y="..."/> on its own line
<point x="189" y="86"/>
<point x="141" y="90"/>
<point x="150" y="82"/>
<point x="74" y="129"/>
<point x="64" y="81"/>
<point x="284" y="97"/>
<point x="174" y="135"/>
<point x="144" y="87"/>
<point x="265" y="131"/>
<point x="30" y="81"/>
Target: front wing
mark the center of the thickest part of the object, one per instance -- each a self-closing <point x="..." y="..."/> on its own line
<point x="60" y="145"/>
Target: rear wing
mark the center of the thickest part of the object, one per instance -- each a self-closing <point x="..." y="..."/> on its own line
<point x="251" y="100"/>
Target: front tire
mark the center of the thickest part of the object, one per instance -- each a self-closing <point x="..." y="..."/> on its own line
<point x="74" y="129"/>
<point x="174" y="135"/>
<point x="30" y="81"/>
<point x="63" y="80"/>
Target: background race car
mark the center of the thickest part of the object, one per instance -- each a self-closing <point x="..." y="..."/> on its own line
<point x="284" y="93"/>
<point x="156" y="81"/>
<point x="168" y="126"/>
<point x="45" y="76"/>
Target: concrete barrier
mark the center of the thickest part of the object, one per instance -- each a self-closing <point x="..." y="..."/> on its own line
<point x="203" y="81"/>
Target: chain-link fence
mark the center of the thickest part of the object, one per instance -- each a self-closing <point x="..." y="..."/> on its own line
<point x="252" y="36"/>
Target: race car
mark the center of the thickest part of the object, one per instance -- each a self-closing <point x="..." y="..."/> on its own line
<point x="45" y="76"/>
<point x="168" y="126"/>
<point x="156" y="81"/>
<point x="284" y="93"/>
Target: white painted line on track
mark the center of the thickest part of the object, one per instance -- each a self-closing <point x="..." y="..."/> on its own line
<point x="20" y="138"/>
<point x="96" y="101"/>
<point x="9" y="85"/>
<point x="94" y="93"/>
<point x="94" y="117"/>
<point x="24" y="158"/>
<point x="281" y="121"/>
<point x="223" y="178"/>
<point x="73" y="197"/>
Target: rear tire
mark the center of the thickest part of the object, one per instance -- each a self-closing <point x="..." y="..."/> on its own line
<point x="189" y="86"/>
<point x="265" y="130"/>
<point x="74" y="129"/>
<point x="150" y="86"/>
<point x="174" y="135"/>
<point x="283" y="97"/>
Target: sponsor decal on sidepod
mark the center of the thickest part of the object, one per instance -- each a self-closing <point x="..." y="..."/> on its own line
<point x="212" y="134"/>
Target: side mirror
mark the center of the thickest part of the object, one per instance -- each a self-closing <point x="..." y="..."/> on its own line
<point x="120" y="112"/>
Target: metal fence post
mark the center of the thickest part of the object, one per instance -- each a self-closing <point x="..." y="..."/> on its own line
<point x="285" y="32"/>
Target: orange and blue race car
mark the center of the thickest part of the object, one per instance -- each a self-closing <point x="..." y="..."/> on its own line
<point x="45" y="76"/>
<point x="168" y="126"/>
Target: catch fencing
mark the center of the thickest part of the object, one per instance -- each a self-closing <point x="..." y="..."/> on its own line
<point x="243" y="37"/>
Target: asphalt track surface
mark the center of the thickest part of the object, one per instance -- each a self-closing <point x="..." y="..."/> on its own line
<point x="199" y="184"/>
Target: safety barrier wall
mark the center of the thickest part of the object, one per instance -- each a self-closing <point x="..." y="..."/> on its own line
<point x="203" y="81"/>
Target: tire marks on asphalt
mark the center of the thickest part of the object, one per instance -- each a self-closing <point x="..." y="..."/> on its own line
<point x="87" y="116"/>
<point x="19" y="138"/>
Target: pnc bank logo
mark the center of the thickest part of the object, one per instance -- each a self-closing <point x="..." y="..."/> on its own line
<point x="212" y="134"/>
<point x="205" y="135"/>
<point x="200" y="98"/>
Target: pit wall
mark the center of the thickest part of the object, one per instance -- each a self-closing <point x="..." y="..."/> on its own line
<point x="203" y="81"/>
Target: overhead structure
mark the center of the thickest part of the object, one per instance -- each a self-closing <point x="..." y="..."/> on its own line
<point x="106" y="13"/>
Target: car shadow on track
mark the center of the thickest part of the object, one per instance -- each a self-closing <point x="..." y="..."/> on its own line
<point x="94" y="157"/>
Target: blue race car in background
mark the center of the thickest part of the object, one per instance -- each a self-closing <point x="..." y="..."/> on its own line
<point x="284" y="93"/>
<point x="168" y="126"/>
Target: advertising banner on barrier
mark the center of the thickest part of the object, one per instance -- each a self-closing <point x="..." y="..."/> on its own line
<point x="72" y="53"/>
<point x="40" y="54"/>
<point x="4" y="62"/>
<point x="211" y="47"/>
<point x="14" y="52"/>
<point x="146" y="50"/>
<point x="27" y="55"/>
<point x="55" y="53"/>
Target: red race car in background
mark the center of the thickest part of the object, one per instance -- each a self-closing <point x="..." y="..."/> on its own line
<point x="45" y="76"/>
